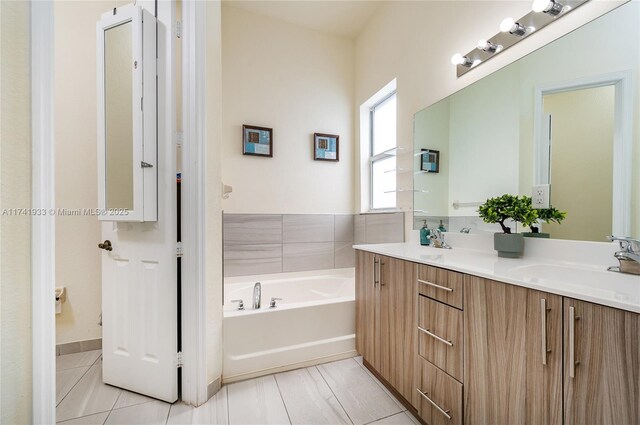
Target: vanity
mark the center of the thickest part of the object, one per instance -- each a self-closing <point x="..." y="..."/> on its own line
<point x="462" y="337"/>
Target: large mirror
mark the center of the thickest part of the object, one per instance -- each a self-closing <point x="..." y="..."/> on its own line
<point x="127" y="92"/>
<point x="565" y="115"/>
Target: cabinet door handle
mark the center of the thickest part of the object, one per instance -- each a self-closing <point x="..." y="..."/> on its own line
<point x="432" y="335"/>
<point x="444" y="288"/>
<point x="433" y="403"/>
<point x="375" y="276"/>
<point x="543" y="320"/>
<point x="380" y="264"/>
<point x="572" y="342"/>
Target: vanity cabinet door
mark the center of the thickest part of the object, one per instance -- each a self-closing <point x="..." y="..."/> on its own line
<point x="397" y="325"/>
<point x="367" y="311"/>
<point x="512" y="354"/>
<point x="602" y="364"/>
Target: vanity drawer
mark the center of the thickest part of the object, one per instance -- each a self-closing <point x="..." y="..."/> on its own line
<point x="440" y="284"/>
<point x="440" y="396"/>
<point x="440" y="336"/>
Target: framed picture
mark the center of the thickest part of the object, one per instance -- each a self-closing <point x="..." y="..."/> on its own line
<point x="257" y="141"/>
<point x="430" y="161"/>
<point x="326" y="147"/>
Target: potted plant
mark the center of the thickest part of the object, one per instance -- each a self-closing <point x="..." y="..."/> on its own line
<point x="547" y="215"/>
<point x="499" y="210"/>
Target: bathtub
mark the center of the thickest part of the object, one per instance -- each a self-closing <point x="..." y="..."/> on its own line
<point x="314" y="323"/>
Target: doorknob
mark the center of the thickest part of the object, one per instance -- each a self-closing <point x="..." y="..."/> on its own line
<point x="106" y="245"/>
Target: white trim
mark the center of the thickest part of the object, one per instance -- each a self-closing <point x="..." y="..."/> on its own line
<point x="43" y="226"/>
<point x="194" y="372"/>
<point x="622" y="139"/>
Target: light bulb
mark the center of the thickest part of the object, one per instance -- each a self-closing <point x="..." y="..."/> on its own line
<point x="482" y="44"/>
<point x="507" y="24"/>
<point x="488" y="46"/>
<point x="457" y="59"/>
<point x="540" y="5"/>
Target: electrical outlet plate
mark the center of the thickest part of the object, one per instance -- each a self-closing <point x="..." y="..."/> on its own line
<point x="540" y="196"/>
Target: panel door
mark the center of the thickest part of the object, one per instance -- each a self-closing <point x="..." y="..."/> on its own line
<point x="603" y="343"/>
<point x="512" y="354"/>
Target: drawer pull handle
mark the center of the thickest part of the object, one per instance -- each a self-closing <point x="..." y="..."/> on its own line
<point x="432" y="335"/>
<point x="435" y="286"/>
<point x="444" y="412"/>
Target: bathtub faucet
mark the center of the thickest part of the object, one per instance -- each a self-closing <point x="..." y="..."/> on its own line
<point x="257" y="295"/>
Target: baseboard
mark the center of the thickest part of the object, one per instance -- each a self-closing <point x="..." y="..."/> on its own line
<point x="292" y="366"/>
<point x="213" y="387"/>
<point x="78" y="346"/>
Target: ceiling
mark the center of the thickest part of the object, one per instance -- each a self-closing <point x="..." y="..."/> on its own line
<point x="345" y="18"/>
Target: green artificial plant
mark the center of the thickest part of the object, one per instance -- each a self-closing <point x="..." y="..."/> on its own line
<point x="548" y="215"/>
<point x="505" y="207"/>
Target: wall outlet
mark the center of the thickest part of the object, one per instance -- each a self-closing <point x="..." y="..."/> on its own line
<point x="540" y="196"/>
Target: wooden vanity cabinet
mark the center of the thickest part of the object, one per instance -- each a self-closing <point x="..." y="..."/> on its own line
<point x="385" y="318"/>
<point x="512" y="354"/>
<point x="601" y="365"/>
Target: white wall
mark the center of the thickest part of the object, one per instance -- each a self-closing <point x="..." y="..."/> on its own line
<point x="297" y="81"/>
<point x="414" y="41"/>
<point x="78" y="260"/>
<point x="15" y="231"/>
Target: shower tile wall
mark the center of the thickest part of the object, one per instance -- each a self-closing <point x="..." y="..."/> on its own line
<point x="275" y="243"/>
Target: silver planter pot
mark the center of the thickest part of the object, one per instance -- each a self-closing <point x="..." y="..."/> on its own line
<point x="508" y="245"/>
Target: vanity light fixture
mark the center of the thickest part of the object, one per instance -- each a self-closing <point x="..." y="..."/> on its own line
<point x="550" y="7"/>
<point x="512" y="31"/>
<point x="513" y="27"/>
<point x="487" y="46"/>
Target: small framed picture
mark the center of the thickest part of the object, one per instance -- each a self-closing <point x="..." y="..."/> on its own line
<point x="257" y="141"/>
<point x="326" y="147"/>
<point x="430" y="161"/>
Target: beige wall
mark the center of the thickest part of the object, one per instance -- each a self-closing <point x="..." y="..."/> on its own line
<point x="582" y="162"/>
<point x="297" y="81"/>
<point x="78" y="260"/>
<point x="414" y="41"/>
<point x="15" y="231"/>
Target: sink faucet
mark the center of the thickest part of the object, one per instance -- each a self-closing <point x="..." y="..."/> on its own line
<point x="437" y="239"/>
<point x="628" y="256"/>
<point x="257" y="295"/>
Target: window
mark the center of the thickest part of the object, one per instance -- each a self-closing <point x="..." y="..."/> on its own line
<point x="382" y="156"/>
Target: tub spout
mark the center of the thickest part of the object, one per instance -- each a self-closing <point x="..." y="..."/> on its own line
<point x="257" y="295"/>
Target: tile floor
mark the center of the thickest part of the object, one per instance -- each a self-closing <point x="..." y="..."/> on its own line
<point x="341" y="392"/>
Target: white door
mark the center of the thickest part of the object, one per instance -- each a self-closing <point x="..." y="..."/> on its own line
<point x="139" y="273"/>
<point x="139" y="307"/>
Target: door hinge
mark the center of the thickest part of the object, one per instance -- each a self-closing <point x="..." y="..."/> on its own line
<point x="179" y="359"/>
<point x="179" y="251"/>
<point x="179" y="138"/>
<point x="145" y="164"/>
<point x="179" y="29"/>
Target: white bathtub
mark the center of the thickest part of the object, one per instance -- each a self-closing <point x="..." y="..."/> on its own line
<point x="314" y="322"/>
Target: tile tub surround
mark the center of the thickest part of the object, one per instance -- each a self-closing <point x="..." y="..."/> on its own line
<point x="280" y="243"/>
<point x="568" y="268"/>
<point x="342" y="392"/>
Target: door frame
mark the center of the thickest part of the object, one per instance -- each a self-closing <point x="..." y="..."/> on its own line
<point x="622" y="137"/>
<point x="42" y="31"/>
<point x="43" y="233"/>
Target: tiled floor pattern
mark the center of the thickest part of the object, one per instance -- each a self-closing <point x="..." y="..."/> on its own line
<point x="342" y="392"/>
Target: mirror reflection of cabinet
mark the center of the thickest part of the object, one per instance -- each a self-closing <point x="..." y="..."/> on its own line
<point x="127" y="142"/>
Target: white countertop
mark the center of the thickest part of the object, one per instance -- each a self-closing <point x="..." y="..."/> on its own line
<point x="588" y="282"/>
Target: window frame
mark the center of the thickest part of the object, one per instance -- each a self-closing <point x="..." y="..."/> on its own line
<point x="382" y="155"/>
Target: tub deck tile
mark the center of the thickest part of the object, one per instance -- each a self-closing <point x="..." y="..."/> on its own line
<point x="358" y="393"/>
<point x="308" y="398"/>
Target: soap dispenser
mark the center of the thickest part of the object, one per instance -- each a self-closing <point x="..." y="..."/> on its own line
<point x="441" y="227"/>
<point x="425" y="232"/>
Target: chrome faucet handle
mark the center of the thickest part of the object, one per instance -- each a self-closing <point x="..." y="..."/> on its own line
<point x="272" y="304"/>
<point x="626" y="243"/>
<point x="240" y="304"/>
